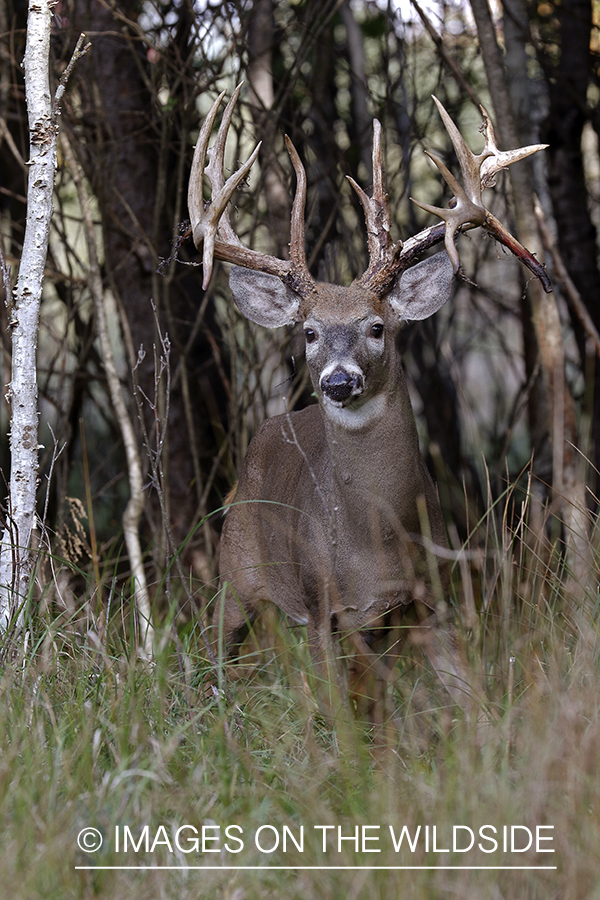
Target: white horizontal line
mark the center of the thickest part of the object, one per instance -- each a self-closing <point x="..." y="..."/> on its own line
<point x="320" y="868"/>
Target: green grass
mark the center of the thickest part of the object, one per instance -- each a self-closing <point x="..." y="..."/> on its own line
<point x="90" y="736"/>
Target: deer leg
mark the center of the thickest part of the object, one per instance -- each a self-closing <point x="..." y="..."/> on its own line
<point x="442" y="648"/>
<point x="330" y="676"/>
<point x="231" y="622"/>
<point x="367" y="681"/>
<point x="371" y="668"/>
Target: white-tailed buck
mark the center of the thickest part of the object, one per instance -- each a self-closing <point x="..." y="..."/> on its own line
<point x="332" y="501"/>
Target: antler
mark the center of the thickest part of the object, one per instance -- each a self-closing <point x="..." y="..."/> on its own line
<point x="210" y="222"/>
<point x="478" y="171"/>
<point x="377" y="213"/>
<point x="212" y="229"/>
<point x="387" y="258"/>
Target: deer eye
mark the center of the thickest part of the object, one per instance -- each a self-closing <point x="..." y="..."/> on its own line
<point x="376" y="330"/>
<point x="310" y="335"/>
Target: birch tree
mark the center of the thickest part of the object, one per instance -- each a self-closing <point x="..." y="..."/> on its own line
<point x="22" y="394"/>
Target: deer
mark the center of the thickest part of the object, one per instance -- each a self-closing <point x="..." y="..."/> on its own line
<point x="334" y="504"/>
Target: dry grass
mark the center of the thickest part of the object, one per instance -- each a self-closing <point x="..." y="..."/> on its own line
<point x="92" y="738"/>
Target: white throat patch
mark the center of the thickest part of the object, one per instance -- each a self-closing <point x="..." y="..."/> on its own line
<point x="355" y="416"/>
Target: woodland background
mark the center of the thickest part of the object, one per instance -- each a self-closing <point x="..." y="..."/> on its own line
<point x="505" y="373"/>
<point x="504" y="382"/>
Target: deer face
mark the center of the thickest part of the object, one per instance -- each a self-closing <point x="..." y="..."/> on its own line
<point x="350" y="345"/>
<point x="350" y="332"/>
<point x="344" y="359"/>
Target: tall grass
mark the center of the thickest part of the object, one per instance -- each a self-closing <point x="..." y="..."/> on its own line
<point x="92" y="737"/>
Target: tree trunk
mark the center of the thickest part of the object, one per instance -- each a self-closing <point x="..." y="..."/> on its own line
<point x="15" y="552"/>
<point x="568" y="84"/>
<point x="559" y="419"/>
<point x="261" y="40"/>
<point x="132" y="151"/>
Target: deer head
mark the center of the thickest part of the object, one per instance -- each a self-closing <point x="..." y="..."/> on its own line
<point x="345" y="326"/>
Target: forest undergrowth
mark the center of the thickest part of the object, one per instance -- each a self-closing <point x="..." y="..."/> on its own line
<point x="173" y="774"/>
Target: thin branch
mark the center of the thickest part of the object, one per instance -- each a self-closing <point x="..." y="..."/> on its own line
<point x="4" y="131"/>
<point x="446" y="57"/>
<point x="155" y="460"/>
<point x="56" y="452"/>
<point x="78" y="52"/>
<point x="135" y="506"/>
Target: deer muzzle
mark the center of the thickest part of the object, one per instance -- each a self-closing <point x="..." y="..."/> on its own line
<point x="341" y="384"/>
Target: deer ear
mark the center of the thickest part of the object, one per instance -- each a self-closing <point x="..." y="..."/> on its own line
<point x="263" y="298"/>
<point x="424" y="288"/>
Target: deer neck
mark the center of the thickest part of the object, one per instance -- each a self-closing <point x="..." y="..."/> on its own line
<point x="379" y="456"/>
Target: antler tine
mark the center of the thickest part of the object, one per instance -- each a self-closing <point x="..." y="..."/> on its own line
<point x="377" y="211"/>
<point x="297" y="248"/>
<point x="365" y="202"/>
<point x="195" y="199"/>
<point x="379" y="193"/>
<point x="215" y="170"/>
<point x="208" y="221"/>
<point x="470" y="163"/>
<point x="500" y="159"/>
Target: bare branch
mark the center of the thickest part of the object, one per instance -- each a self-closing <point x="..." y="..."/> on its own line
<point x="78" y="52"/>
<point x="135" y="506"/>
<point x="445" y="55"/>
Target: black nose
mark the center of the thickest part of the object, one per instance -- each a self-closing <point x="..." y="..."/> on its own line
<point x="339" y="385"/>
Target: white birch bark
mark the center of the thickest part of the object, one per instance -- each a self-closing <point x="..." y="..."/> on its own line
<point x="15" y="547"/>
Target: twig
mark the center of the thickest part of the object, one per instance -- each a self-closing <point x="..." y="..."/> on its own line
<point x="445" y="56"/>
<point x="155" y="460"/>
<point x="135" y="505"/>
<point x="90" y="509"/>
<point x="56" y="452"/>
<point x="78" y="52"/>
<point x="4" y="131"/>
